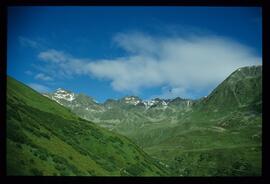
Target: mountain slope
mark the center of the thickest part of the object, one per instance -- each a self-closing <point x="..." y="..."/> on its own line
<point x="243" y="88"/>
<point x="123" y="115"/>
<point x="217" y="135"/>
<point x="44" y="138"/>
<point x="220" y="136"/>
<point x="80" y="104"/>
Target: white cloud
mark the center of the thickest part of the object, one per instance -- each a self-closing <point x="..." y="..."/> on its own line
<point x="40" y="88"/>
<point x="138" y="43"/>
<point x="61" y="64"/>
<point x="26" y="42"/>
<point x="42" y="76"/>
<point x="53" y="56"/>
<point x="182" y="63"/>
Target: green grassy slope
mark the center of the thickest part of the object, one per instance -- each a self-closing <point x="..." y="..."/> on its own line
<point x="221" y="136"/>
<point x="211" y="145"/>
<point x="243" y="88"/>
<point x="44" y="138"/>
<point x="217" y="136"/>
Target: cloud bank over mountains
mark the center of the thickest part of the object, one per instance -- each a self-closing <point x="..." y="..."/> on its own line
<point x="178" y="63"/>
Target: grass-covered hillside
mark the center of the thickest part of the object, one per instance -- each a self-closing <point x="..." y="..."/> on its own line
<point x="44" y="138"/>
<point x="217" y="135"/>
<point x="220" y="136"/>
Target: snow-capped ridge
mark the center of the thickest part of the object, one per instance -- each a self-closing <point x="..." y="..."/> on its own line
<point x="64" y="94"/>
<point x="156" y="101"/>
<point x="132" y="100"/>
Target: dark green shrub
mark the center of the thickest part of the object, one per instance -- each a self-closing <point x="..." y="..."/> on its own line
<point x="137" y="157"/>
<point x="18" y="145"/>
<point x="134" y="170"/>
<point x="31" y="161"/>
<point x="43" y="157"/>
<point x="60" y="167"/>
<point x="123" y="172"/>
<point x="16" y="135"/>
<point x="59" y="160"/>
<point x="45" y="135"/>
<point x="22" y="162"/>
<point x="36" y="154"/>
<point x="64" y="173"/>
<point x="36" y="172"/>
<point x="91" y="172"/>
<point x="178" y="159"/>
<point x="74" y="170"/>
<point x="82" y="151"/>
<point x="109" y="166"/>
<point x="186" y="172"/>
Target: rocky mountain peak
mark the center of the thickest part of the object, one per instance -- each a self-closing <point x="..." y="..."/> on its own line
<point x="61" y="93"/>
<point x="134" y="100"/>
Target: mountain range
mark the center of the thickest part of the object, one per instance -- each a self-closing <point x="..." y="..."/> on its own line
<point x="217" y="135"/>
<point x="122" y="111"/>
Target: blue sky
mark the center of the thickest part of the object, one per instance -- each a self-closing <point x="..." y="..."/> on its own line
<point x="111" y="52"/>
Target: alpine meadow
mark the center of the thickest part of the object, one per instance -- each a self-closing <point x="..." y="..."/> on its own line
<point x="134" y="91"/>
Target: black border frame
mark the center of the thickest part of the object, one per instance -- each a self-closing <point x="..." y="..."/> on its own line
<point x="227" y="3"/>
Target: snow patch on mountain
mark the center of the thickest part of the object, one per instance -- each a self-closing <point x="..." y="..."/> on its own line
<point x="188" y="103"/>
<point x="150" y="103"/>
<point x="132" y="100"/>
<point x="62" y="94"/>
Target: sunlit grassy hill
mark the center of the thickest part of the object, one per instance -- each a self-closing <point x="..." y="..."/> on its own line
<point x="216" y="135"/>
<point x="45" y="138"/>
<point x="220" y="136"/>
